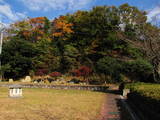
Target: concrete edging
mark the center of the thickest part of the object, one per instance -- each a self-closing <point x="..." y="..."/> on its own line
<point x="132" y="114"/>
<point x="66" y="87"/>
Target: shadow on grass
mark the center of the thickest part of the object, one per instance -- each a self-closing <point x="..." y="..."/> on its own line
<point x="116" y="92"/>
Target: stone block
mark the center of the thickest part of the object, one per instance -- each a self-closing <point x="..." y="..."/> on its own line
<point x="11" y="80"/>
<point x="28" y="79"/>
<point x="125" y="92"/>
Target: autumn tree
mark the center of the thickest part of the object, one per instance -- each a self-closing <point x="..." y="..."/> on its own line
<point x="31" y="29"/>
<point x="61" y="31"/>
<point x="61" y="27"/>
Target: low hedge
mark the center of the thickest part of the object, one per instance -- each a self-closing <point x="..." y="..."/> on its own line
<point x="146" y="98"/>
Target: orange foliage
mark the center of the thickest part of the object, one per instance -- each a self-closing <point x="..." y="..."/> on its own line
<point x="57" y="34"/>
<point x="26" y="33"/>
<point x="36" y="20"/>
<point x="38" y="38"/>
<point x="31" y="29"/>
<point x="62" y="27"/>
<point x="37" y="27"/>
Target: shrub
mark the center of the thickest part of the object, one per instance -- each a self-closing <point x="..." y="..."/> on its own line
<point x="139" y="68"/>
<point x="41" y="72"/>
<point x="97" y="79"/>
<point x="83" y="71"/>
<point x="55" y="74"/>
<point x="109" y="66"/>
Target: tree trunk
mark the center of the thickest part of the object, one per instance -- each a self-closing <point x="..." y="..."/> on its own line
<point x="156" y="70"/>
<point x="156" y="76"/>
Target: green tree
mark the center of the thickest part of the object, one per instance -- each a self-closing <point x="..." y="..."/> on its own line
<point x="17" y="55"/>
<point x="139" y="69"/>
<point x="109" y="66"/>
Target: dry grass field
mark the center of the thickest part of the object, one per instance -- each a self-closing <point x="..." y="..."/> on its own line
<point x="50" y="104"/>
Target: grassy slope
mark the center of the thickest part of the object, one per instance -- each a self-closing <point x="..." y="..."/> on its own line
<point x="146" y="99"/>
<point x="146" y="89"/>
<point x="49" y="104"/>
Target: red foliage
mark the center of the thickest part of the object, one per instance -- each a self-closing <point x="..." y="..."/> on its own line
<point x="41" y="72"/>
<point x="55" y="74"/>
<point x="82" y="71"/>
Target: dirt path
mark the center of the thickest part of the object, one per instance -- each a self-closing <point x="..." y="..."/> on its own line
<point x="110" y="109"/>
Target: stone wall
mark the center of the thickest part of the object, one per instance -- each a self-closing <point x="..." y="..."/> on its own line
<point x="75" y="87"/>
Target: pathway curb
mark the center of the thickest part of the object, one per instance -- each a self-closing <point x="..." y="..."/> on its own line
<point x="132" y="114"/>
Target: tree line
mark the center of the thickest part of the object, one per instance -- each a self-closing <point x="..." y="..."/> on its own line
<point x="113" y="43"/>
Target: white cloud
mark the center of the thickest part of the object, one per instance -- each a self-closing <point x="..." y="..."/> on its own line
<point x="46" y="5"/>
<point x="6" y="11"/>
<point x="7" y="14"/>
<point x="154" y="14"/>
<point x="1" y="1"/>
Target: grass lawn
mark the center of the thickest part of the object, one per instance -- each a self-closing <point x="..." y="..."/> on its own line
<point x="50" y="104"/>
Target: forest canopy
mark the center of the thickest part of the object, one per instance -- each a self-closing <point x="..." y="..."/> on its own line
<point x="114" y="42"/>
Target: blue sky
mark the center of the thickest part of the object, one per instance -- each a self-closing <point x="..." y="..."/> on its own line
<point x="14" y="10"/>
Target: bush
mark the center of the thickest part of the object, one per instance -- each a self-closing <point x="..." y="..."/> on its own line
<point x="41" y="72"/>
<point x="96" y="79"/>
<point x="139" y="68"/>
<point x="55" y="74"/>
<point x="82" y="71"/>
<point x="109" y="66"/>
